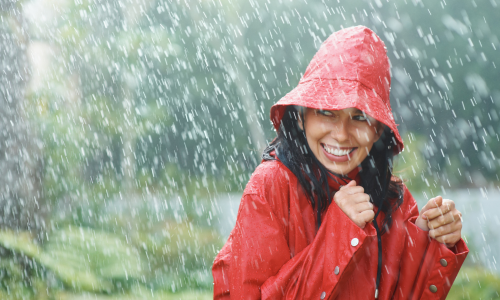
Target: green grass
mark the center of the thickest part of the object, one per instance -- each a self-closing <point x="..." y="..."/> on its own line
<point x="138" y="293"/>
<point x="476" y="284"/>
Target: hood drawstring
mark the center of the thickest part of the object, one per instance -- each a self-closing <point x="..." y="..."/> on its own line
<point x="379" y="266"/>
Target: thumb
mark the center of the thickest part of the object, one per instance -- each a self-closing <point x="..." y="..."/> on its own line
<point x="438" y="201"/>
<point x="351" y="183"/>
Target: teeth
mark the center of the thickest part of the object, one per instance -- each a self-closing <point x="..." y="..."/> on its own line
<point x="337" y="152"/>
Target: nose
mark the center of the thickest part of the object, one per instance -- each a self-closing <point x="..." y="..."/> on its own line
<point x="340" y="131"/>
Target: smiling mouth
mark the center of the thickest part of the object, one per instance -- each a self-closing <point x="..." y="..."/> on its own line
<point x="337" y="151"/>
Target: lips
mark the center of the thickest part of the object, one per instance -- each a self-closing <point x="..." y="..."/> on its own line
<point x="338" y="154"/>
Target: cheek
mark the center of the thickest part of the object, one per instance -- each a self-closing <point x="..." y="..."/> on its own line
<point x="313" y="128"/>
<point x="366" y="136"/>
<point x="312" y="138"/>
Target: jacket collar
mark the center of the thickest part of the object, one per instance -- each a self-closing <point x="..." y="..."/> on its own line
<point x="335" y="182"/>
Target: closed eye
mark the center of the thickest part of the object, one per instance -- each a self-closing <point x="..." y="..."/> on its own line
<point x="360" y="118"/>
<point x="324" y="112"/>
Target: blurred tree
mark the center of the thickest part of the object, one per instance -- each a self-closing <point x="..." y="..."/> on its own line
<point x="21" y="201"/>
<point x="175" y="95"/>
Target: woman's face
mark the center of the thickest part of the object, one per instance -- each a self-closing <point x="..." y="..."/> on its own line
<point x="340" y="139"/>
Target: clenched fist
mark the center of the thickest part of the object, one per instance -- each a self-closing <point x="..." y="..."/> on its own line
<point x="355" y="203"/>
<point x="443" y="221"/>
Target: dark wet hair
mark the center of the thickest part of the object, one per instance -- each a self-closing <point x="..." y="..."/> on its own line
<point x="293" y="151"/>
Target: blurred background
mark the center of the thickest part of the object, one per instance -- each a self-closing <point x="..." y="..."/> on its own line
<point x="129" y="129"/>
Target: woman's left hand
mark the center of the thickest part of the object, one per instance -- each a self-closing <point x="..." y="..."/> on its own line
<point x="443" y="221"/>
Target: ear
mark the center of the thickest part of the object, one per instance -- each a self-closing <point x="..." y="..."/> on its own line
<point x="299" y="122"/>
<point x="300" y="114"/>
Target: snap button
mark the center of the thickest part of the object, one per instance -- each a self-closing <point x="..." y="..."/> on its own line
<point x="443" y="262"/>
<point x="433" y="288"/>
<point x="337" y="270"/>
<point x="354" y="242"/>
<point x="323" y="295"/>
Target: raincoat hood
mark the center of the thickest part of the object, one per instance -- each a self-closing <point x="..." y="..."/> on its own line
<point x="351" y="69"/>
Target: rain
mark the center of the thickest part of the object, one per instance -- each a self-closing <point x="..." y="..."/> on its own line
<point x="129" y="129"/>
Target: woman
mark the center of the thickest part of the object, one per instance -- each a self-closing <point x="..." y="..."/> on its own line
<point x="322" y="216"/>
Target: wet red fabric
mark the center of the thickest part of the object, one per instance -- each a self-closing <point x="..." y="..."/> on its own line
<point x="275" y="252"/>
<point x="351" y="69"/>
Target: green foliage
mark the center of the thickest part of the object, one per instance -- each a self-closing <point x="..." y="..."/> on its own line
<point x="81" y="259"/>
<point x="139" y="292"/>
<point x="411" y="166"/>
<point x="180" y="254"/>
<point x="475" y="283"/>
<point x="169" y="257"/>
<point x="92" y="260"/>
<point x="13" y="285"/>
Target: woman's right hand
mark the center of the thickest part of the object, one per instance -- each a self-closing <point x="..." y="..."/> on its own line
<point x="355" y="203"/>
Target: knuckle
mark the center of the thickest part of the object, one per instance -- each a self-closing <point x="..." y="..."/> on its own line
<point x="363" y="198"/>
<point x="443" y="230"/>
<point x="450" y="218"/>
<point x="438" y="231"/>
<point x="454" y="218"/>
<point x="430" y="225"/>
<point x="355" y="212"/>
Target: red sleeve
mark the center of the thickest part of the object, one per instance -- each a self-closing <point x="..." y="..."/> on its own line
<point x="426" y="263"/>
<point x="256" y="249"/>
<point x="260" y="265"/>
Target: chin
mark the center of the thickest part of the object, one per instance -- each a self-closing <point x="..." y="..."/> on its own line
<point x="340" y="170"/>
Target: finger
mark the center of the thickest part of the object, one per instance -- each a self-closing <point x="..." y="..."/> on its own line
<point x="362" y="206"/>
<point x="366" y="216"/>
<point x="449" y="239"/>
<point x="442" y="216"/>
<point x="445" y="207"/>
<point x="432" y="203"/>
<point x="445" y="230"/>
<point x="359" y="198"/>
<point x="353" y="190"/>
<point x="344" y="200"/>
<point x="445" y="219"/>
<point x="351" y="183"/>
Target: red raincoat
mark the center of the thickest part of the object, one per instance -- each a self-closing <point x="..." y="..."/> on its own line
<point x="275" y="250"/>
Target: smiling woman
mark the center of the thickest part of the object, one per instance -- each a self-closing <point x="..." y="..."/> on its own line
<point x="322" y="215"/>
<point x="340" y="139"/>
